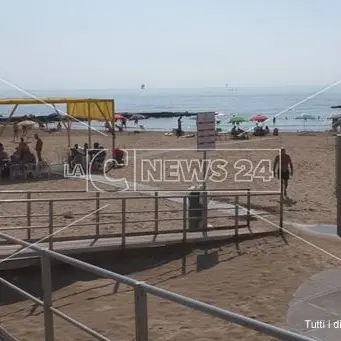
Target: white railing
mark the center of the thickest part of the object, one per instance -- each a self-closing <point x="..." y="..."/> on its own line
<point x="141" y="289"/>
<point x="155" y="214"/>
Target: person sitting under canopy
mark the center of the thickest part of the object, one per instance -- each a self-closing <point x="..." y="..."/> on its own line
<point x="118" y="155"/>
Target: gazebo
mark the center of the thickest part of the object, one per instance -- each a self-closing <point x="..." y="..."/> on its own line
<point x="77" y="109"/>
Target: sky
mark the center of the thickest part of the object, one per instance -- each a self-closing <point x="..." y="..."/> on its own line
<point x="111" y="44"/>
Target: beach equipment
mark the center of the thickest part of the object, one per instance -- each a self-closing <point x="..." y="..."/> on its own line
<point x="305" y="117"/>
<point x="237" y="119"/>
<point x="259" y="118"/>
<point x="83" y="110"/>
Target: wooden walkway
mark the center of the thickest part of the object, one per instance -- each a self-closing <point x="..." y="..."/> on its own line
<point x="88" y="246"/>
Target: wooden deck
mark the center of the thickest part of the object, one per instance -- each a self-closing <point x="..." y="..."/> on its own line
<point x="90" y="246"/>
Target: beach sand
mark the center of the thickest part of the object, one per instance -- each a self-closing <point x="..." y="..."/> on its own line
<point x="258" y="283"/>
<point x="311" y="188"/>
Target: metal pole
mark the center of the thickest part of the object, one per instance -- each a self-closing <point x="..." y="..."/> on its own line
<point x="156" y="213"/>
<point x="236" y="216"/>
<point x="124" y="212"/>
<point x="248" y="209"/>
<point x="47" y="295"/>
<point x="97" y="214"/>
<point x="89" y="124"/>
<point x="50" y="225"/>
<point x="28" y="210"/>
<point x="204" y="188"/>
<point x="281" y="207"/>
<point x="338" y="181"/>
<point x="184" y="217"/>
<point x="141" y="314"/>
<point x="113" y="135"/>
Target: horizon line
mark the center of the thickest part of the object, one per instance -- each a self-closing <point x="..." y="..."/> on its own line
<point x="167" y="88"/>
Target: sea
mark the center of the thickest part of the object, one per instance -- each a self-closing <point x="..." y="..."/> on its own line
<point x="288" y="103"/>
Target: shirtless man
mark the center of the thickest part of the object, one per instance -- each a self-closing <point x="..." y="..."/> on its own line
<point x="286" y="164"/>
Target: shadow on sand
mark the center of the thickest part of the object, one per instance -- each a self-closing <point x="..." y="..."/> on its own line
<point x="29" y="279"/>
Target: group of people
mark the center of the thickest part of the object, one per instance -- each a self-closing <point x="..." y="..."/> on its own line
<point x="22" y="155"/>
<point x="83" y="155"/>
<point x="121" y="125"/>
<point x="93" y="159"/>
<point x="236" y="131"/>
<point x="16" y="131"/>
<point x="260" y="131"/>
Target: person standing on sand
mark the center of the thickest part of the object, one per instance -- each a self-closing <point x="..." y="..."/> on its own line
<point x="285" y="174"/>
<point x="15" y="131"/>
<point x="179" y="130"/>
<point x="39" y="147"/>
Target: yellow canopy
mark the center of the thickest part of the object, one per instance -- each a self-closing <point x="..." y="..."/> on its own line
<point x="88" y="109"/>
<point x="80" y="108"/>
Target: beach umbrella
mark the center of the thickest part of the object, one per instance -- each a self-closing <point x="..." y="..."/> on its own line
<point x="119" y="117"/>
<point x="237" y="119"/>
<point x="305" y="117"/>
<point x="26" y="123"/>
<point x="137" y="117"/>
<point x="259" y="118"/>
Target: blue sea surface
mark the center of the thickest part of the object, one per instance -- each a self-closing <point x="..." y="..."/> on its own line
<point x="226" y="101"/>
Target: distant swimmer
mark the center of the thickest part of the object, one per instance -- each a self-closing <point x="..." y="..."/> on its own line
<point x="285" y="170"/>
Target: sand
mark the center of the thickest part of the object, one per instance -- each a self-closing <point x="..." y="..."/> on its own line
<point x="258" y="283"/>
<point x="311" y="188"/>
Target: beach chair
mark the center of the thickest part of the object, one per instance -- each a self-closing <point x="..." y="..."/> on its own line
<point x="43" y="170"/>
<point x="17" y="171"/>
<point x="240" y="136"/>
<point x="30" y="170"/>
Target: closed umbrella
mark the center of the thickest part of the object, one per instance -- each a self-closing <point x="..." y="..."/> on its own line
<point x="259" y="118"/>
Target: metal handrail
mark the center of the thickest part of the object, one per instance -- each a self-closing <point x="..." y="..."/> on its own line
<point x="141" y="289"/>
<point x="126" y="218"/>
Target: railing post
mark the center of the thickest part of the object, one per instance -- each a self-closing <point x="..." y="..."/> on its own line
<point x="156" y="212"/>
<point x="123" y="236"/>
<point x="28" y="215"/>
<point x="141" y="314"/>
<point x="184" y="222"/>
<point x="236" y="215"/>
<point x="281" y="199"/>
<point x="248" y="206"/>
<point x="47" y="295"/>
<point x="51" y="224"/>
<point x="97" y="213"/>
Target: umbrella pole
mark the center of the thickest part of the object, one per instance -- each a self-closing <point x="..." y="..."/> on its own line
<point x="113" y="136"/>
<point x="89" y="126"/>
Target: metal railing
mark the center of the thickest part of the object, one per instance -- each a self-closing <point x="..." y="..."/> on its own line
<point x="231" y="218"/>
<point x="141" y="289"/>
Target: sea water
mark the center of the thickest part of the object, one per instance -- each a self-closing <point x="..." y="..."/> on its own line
<point x="291" y="102"/>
